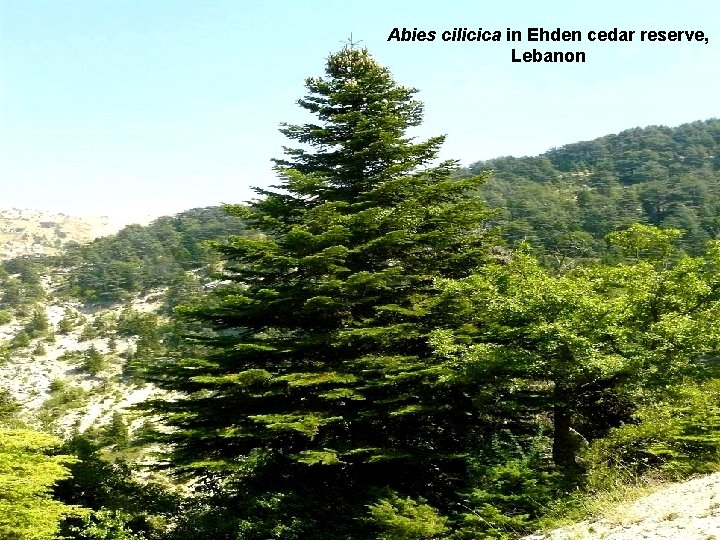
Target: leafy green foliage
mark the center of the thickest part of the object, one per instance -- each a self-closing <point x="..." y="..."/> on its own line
<point x="93" y="361"/>
<point x="20" y="284"/>
<point x="677" y="435"/>
<point x="122" y="508"/>
<point x="70" y="320"/>
<point x="63" y="396"/>
<point x="136" y="323"/>
<point x="27" y="472"/>
<point x="102" y="525"/>
<point x="9" y="407"/>
<point x="116" y="433"/>
<point x="38" y="324"/>
<point x="591" y="345"/>
<point x="5" y="317"/>
<point x="535" y="343"/>
<point x="645" y="242"/>
<point x="20" y="340"/>
<point x="509" y="498"/>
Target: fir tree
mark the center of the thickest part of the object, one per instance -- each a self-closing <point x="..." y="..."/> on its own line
<point x="93" y="361"/>
<point x="320" y="387"/>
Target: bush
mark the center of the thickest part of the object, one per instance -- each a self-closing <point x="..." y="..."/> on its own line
<point x="100" y="525"/>
<point x="66" y="324"/>
<point x="510" y="497"/>
<point x="402" y="518"/>
<point x="88" y="333"/>
<point x="20" y="341"/>
<point x="93" y="361"/>
<point x="677" y="436"/>
<point x="135" y="323"/>
<point x="99" y="485"/>
<point x="38" y="325"/>
<point x="9" y="407"/>
<point x="63" y="392"/>
<point x="63" y="396"/>
<point x="116" y="433"/>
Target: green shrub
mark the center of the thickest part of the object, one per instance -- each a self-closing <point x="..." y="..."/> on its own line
<point x="20" y="341"/>
<point x="403" y="518"/>
<point x="88" y="333"/>
<point x="63" y="393"/>
<point x="93" y="361"/>
<point x="38" y="324"/>
<point x="510" y="497"/>
<point x="676" y="436"/>
<point x="65" y="325"/>
<point x="116" y="433"/>
<point x="101" y="525"/>
<point x="9" y="407"/>
<point x="29" y="468"/>
<point x="136" y="323"/>
<point x="70" y="320"/>
<point x="63" y="396"/>
<point x="71" y="356"/>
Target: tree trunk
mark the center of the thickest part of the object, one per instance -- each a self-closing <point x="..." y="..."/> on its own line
<point x="565" y="439"/>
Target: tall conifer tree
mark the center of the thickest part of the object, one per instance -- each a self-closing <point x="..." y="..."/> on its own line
<point x="319" y="387"/>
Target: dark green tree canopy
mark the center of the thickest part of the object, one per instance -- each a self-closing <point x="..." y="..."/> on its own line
<point x="660" y="176"/>
<point x="320" y="377"/>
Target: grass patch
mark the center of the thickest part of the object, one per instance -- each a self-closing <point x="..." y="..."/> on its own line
<point x="611" y="503"/>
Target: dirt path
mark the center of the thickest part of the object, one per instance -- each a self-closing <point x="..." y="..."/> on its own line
<point x="686" y="511"/>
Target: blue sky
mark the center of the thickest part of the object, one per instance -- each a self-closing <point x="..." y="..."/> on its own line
<point x="139" y="108"/>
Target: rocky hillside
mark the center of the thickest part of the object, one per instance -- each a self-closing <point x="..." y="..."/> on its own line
<point x="32" y="232"/>
<point x="66" y="364"/>
<point x="77" y="328"/>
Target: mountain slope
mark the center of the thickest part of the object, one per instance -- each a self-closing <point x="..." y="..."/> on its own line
<point x="567" y="199"/>
<point x="31" y="232"/>
<point x="77" y="328"/>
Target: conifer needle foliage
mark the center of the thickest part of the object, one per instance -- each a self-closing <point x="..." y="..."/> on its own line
<point x="318" y="388"/>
